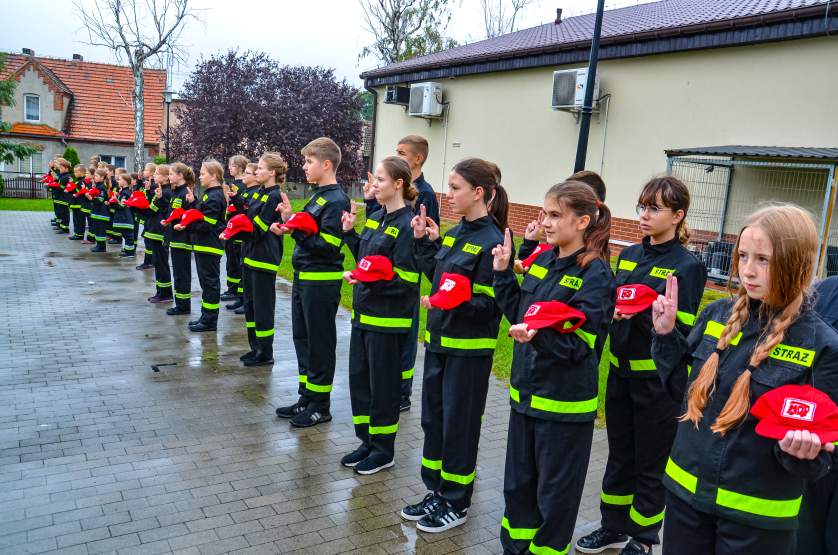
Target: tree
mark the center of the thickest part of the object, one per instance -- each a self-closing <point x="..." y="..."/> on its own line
<point x="138" y="31"/>
<point x="248" y="103"/>
<point x="404" y="29"/>
<point x="9" y="152"/>
<point x="72" y="156"/>
<point x="501" y="16"/>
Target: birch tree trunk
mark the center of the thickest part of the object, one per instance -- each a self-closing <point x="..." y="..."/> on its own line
<point x="139" y="115"/>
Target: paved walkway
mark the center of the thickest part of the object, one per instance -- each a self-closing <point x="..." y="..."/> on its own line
<point x="101" y="452"/>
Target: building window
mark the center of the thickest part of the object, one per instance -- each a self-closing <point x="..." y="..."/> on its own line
<point x="31" y="164"/>
<point x="115" y="161"/>
<point x="31" y="107"/>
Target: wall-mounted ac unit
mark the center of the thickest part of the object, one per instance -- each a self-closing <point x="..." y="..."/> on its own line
<point x="569" y="89"/>
<point x="397" y="95"/>
<point x="425" y="100"/>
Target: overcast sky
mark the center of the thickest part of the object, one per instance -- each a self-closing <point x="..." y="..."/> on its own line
<point x="300" y="32"/>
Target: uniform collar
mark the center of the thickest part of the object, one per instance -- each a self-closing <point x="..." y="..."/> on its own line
<point x="325" y="188"/>
<point x="396" y="213"/>
<point x="660" y="248"/>
<point x="567" y="261"/>
<point x="479" y="223"/>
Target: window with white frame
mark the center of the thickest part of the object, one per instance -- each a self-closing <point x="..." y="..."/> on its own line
<point x="115" y="161"/>
<point x="31" y="107"/>
<point x="31" y="164"/>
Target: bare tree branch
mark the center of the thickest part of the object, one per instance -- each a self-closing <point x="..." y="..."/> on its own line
<point x="404" y="28"/>
<point x="500" y="16"/>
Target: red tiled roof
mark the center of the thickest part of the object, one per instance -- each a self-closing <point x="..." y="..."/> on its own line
<point x="35" y="129"/>
<point x="101" y="108"/>
<point x="652" y="18"/>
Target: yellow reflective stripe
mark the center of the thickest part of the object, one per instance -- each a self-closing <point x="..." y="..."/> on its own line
<point x="318" y="388"/>
<point x="774" y="508"/>
<point x="209" y="220"/>
<point x="182" y="246"/>
<point x="360" y="419"/>
<point x="572" y="282"/>
<point x="563" y="407"/>
<point x="262" y="225"/>
<point x="469" y="344"/>
<point x="320" y="276"/>
<point x="626" y="265"/>
<point x="265" y="333"/>
<point x="209" y="306"/>
<point x="234" y="279"/>
<point x="331" y="239"/>
<point x="538" y="271"/>
<point x="321" y="201"/>
<point x="610" y="499"/>
<point x="406" y="374"/>
<point x="715" y="329"/>
<point x="250" y="324"/>
<point x="642" y="365"/>
<point x="392" y="231"/>
<point x="372" y="224"/>
<point x="685" y="317"/>
<point x="149" y="235"/>
<point x="795" y="355"/>
<point x="472" y="249"/>
<point x="163" y="283"/>
<point x="263" y="265"/>
<point x="615" y="362"/>
<point x="410" y="277"/>
<point x="447" y="241"/>
<point x="383" y="322"/>
<point x="683" y="478"/>
<point x="518" y="533"/>
<point x="432" y="464"/>
<point x="487" y="290"/>
<point x="644" y="520"/>
<point x="383" y="430"/>
<point x="153" y="207"/>
<point x="514" y="394"/>
<point x="661" y="272"/>
<point x="588" y="338"/>
<point x="464" y="479"/>
<point x="183" y="295"/>
<point x="210" y="250"/>
<point x="177" y="203"/>
<point x="689" y="369"/>
<point x="544" y="550"/>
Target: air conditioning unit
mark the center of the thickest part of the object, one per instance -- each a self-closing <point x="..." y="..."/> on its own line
<point x="397" y="95"/>
<point x="569" y="89"/>
<point x="425" y="100"/>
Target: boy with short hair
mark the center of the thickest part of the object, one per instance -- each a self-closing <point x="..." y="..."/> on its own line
<point x="74" y="198"/>
<point x="318" y="275"/>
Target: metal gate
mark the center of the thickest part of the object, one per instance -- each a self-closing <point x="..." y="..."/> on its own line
<point x="724" y="191"/>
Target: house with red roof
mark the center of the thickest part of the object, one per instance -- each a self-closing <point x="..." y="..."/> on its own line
<point x="77" y="103"/>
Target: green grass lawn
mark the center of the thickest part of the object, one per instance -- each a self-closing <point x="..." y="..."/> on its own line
<point x="29" y="205"/>
<point x="503" y="352"/>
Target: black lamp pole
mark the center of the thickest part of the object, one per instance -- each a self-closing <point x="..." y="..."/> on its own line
<point x="167" y="98"/>
<point x="587" y="106"/>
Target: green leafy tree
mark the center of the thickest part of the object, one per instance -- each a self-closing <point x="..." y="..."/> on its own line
<point x="9" y="152"/>
<point x="72" y="156"/>
<point x="404" y="29"/>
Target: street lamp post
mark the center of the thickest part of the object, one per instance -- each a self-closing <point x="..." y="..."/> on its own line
<point x="167" y="99"/>
<point x="587" y="106"/>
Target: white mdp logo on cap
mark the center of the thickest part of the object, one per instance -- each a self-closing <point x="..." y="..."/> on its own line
<point x="532" y="310"/>
<point x="364" y="264"/>
<point x="798" y="409"/>
<point x="627" y="294"/>
<point x="447" y="285"/>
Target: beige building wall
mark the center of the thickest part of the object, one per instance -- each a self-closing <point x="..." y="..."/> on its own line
<point x="32" y="83"/>
<point x="772" y="95"/>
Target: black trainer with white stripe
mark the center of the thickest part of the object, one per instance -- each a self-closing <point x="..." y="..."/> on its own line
<point x="443" y="518"/>
<point x="425" y="507"/>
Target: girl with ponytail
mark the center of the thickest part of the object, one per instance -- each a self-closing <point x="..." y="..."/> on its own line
<point x="560" y="314"/>
<point x="730" y="490"/>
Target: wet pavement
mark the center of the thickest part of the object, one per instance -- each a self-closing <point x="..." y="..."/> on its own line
<point x="121" y="431"/>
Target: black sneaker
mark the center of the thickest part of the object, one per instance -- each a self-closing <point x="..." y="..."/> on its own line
<point x="175" y="311"/>
<point x="158" y="299"/>
<point x="290" y="411"/>
<point x="443" y="518"/>
<point x="356" y="456"/>
<point x="371" y="465"/>
<point x="404" y="405"/>
<point x="239" y="310"/>
<point x="229" y="296"/>
<point x="114" y="242"/>
<point x="98" y="249"/>
<point x="600" y="540"/>
<point x="233" y="306"/>
<point x="201" y="325"/>
<point x="247" y="355"/>
<point x="75" y="238"/>
<point x="634" y="547"/>
<point x="124" y="254"/>
<point x="259" y="360"/>
<point x="310" y="417"/>
<point x="144" y="267"/>
<point x="423" y="508"/>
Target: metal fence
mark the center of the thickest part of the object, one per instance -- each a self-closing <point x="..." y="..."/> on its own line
<point x="725" y="191"/>
<point x="22" y="185"/>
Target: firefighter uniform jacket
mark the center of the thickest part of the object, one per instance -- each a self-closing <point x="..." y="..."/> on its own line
<point x="179" y="239"/>
<point x="213" y="206"/>
<point x="317" y="258"/>
<point x="742" y="476"/>
<point x="262" y="250"/>
<point x="62" y="197"/>
<point x="99" y="208"/>
<point x="159" y="209"/>
<point x="470" y="329"/>
<point x="239" y="200"/>
<point x="649" y="265"/>
<point x="386" y="306"/>
<point x="140" y="214"/>
<point x="86" y="205"/>
<point x="555" y="375"/>
<point x="122" y="217"/>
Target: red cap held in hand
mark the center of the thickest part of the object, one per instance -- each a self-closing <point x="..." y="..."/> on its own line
<point x="94" y="192"/>
<point x="554" y="314"/>
<point x="176" y="214"/>
<point x="137" y="200"/>
<point x="302" y="221"/>
<point x="635" y="297"/>
<point x="231" y="209"/>
<point x="796" y="407"/>
<point x="238" y="224"/>
<point x="191" y="216"/>
<point x="373" y="268"/>
<point x="454" y="290"/>
<point x="527" y="262"/>
<point x="70" y="187"/>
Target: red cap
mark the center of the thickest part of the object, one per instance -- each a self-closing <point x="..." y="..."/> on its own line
<point x="237" y="224"/>
<point x="527" y="262"/>
<point x="231" y="209"/>
<point x="635" y="297"/>
<point x="191" y="216"/>
<point x="70" y="187"/>
<point x="176" y="214"/>
<point x="137" y="200"/>
<point x="796" y="407"/>
<point x="94" y="192"/>
<point x="554" y="314"/>
<point x="454" y="290"/>
<point x="373" y="268"/>
<point x="87" y="181"/>
<point x="302" y="221"/>
<point x="46" y="178"/>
